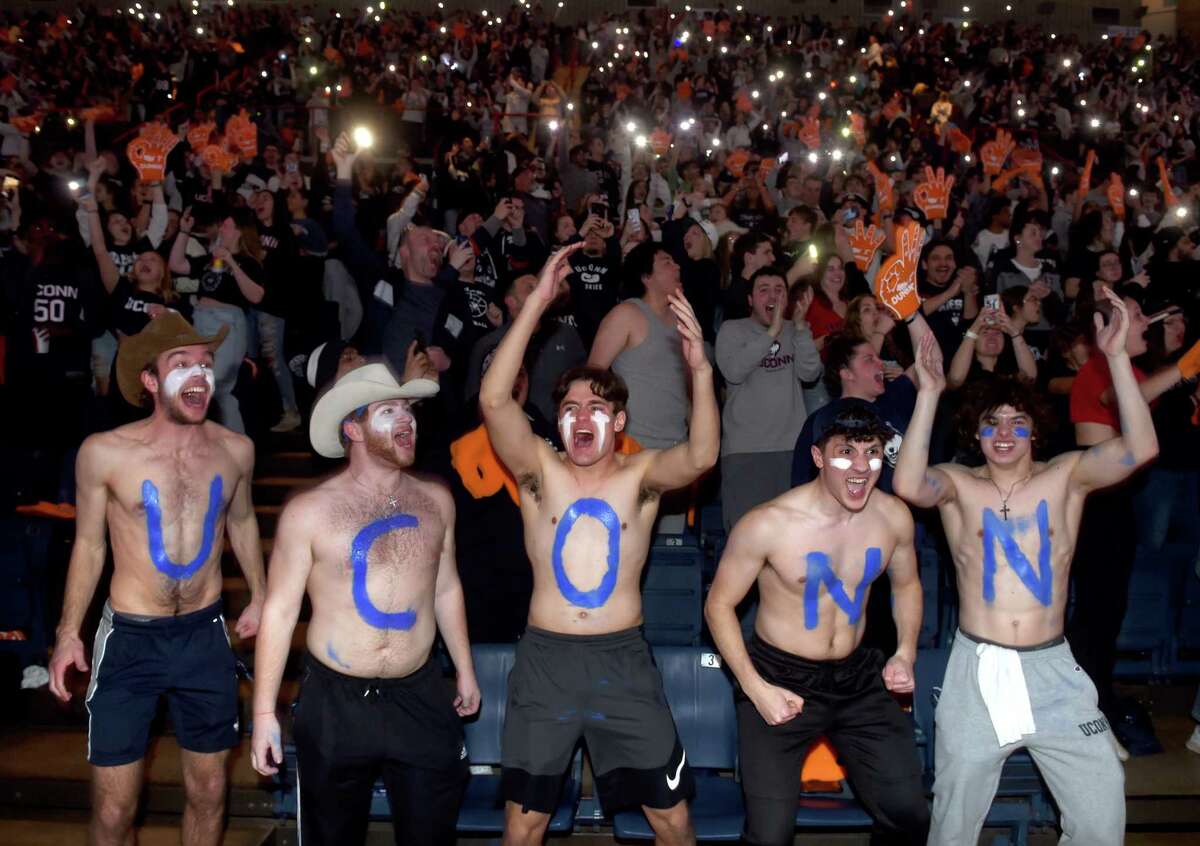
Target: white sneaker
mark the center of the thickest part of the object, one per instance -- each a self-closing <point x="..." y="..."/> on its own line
<point x="290" y="422"/>
<point x="1193" y="742"/>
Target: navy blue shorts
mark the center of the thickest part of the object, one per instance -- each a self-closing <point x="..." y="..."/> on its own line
<point x="138" y="660"/>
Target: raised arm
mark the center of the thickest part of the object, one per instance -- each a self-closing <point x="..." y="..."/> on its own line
<point x="683" y="463"/>
<point x="242" y="526"/>
<point x="291" y="562"/>
<point x="508" y="427"/>
<point x="108" y="270"/>
<point x="914" y="480"/>
<point x="87" y="562"/>
<point x="451" y="614"/>
<point x="1111" y="461"/>
<point x="907" y="603"/>
<point x="741" y="562"/>
<point x="178" y="261"/>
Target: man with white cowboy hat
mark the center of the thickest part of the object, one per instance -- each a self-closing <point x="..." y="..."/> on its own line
<point x="167" y="489"/>
<point x="373" y="547"/>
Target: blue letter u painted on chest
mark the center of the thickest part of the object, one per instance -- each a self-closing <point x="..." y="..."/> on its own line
<point x="820" y="572"/>
<point x="1041" y="583"/>
<point x="600" y="510"/>
<point x="359" y="549"/>
<point x="154" y="533"/>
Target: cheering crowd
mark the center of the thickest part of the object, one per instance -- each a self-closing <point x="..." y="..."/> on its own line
<point x="748" y="243"/>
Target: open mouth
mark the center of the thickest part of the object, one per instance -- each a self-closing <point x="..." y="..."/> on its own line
<point x="194" y="396"/>
<point x="583" y="439"/>
<point x="856" y="486"/>
<point x="404" y="438"/>
<point x="1004" y="447"/>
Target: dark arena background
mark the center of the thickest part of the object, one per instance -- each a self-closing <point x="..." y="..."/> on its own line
<point x="137" y="140"/>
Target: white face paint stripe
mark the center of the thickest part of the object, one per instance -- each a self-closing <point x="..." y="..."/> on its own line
<point x="841" y="463"/>
<point x="385" y="424"/>
<point x="875" y="464"/>
<point x="601" y="419"/>
<point x="180" y="376"/>
<point x="564" y="426"/>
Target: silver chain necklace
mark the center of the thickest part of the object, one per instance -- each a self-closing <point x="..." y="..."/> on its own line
<point x="1004" y="509"/>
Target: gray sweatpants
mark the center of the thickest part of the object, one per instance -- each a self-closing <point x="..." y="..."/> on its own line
<point x="1072" y="747"/>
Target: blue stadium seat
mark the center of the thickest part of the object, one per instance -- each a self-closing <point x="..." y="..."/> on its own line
<point x="1020" y="794"/>
<point x="1144" y="642"/>
<point x="701" y="700"/>
<point x="673" y="595"/>
<point x="931" y="589"/>
<point x="482" y="809"/>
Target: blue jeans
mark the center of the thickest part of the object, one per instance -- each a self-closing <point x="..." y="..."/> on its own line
<point x="208" y="320"/>
<point x="270" y="339"/>
<point x="1166" y="504"/>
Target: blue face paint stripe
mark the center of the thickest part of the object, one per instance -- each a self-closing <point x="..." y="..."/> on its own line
<point x="600" y="510"/>
<point x="359" y="549"/>
<point x="987" y="432"/>
<point x="1021" y="432"/>
<point x="154" y="533"/>
<point x="1040" y="584"/>
<point x="820" y="572"/>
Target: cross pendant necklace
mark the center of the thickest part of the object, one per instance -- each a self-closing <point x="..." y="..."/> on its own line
<point x="393" y="502"/>
<point x="1004" y="509"/>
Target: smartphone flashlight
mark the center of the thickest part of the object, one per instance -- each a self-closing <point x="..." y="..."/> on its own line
<point x="363" y="138"/>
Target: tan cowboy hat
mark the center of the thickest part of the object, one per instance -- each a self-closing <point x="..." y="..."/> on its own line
<point x="361" y="386"/>
<point x="168" y="332"/>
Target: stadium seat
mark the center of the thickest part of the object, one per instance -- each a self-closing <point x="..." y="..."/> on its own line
<point x="482" y="809"/>
<point x="931" y="584"/>
<point x="701" y="700"/>
<point x="672" y="594"/>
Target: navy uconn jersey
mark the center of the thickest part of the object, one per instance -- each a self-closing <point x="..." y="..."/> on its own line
<point x="54" y="310"/>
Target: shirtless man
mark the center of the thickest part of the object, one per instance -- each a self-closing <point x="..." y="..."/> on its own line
<point x="168" y="488"/>
<point x="800" y="680"/>
<point x="583" y="667"/>
<point x="1012" y="526"/>
<point x="373" y="547"/>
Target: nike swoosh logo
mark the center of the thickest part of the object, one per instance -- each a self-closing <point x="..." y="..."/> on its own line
<point x="673" y="783"/>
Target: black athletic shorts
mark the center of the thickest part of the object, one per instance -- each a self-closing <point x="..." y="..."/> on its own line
<point x="137" y="660"/>
<point x="846" y="701"/>
<point x="350" y="731"/>
<point x="607" y="690"/>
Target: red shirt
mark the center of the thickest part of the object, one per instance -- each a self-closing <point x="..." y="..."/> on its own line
<point x="823" y="320"/>
<point x="1093" y="380"/>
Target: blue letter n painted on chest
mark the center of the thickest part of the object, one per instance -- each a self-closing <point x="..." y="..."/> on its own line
<point x="820" y="572"/>
<point x="1041" y="583"/>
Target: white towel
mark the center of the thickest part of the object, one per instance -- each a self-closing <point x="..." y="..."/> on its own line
<point x="1002" y="685"/>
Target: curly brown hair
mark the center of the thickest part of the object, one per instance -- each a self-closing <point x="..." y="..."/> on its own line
<point x="604" y="383"/>
<point x="987" y="395"/>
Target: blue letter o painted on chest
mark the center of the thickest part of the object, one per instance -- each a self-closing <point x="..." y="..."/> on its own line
<point x="600" y="510"/>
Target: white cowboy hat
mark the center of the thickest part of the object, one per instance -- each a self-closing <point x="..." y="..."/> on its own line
<point x="361" y="386"/>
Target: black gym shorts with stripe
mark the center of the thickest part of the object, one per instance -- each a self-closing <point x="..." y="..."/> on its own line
<point x="138" y="660"/>
<point x="607" y="690"/>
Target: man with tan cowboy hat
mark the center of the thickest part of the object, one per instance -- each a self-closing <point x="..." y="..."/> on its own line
<point x="167" y="488"/>
<point x="373" y="547"/>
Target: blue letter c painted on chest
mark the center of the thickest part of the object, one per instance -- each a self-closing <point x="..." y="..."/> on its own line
<point x="600" y="510"/>
<point x="359" y="549"/>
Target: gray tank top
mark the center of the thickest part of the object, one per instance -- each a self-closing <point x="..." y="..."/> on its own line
<point x="657" y="377"/>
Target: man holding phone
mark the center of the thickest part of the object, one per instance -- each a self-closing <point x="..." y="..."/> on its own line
<point x="594" y="279"/>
